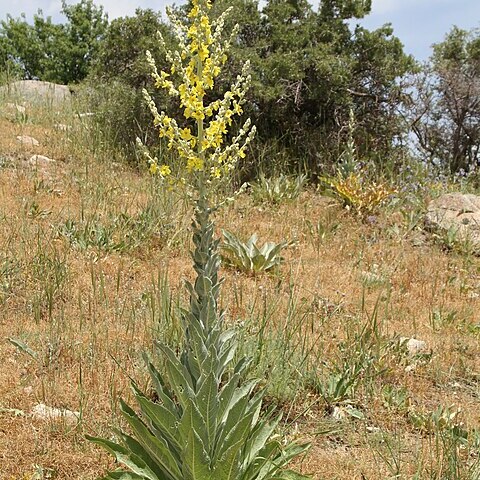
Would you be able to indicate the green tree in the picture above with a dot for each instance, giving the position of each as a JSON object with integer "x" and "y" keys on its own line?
{"x": 84, "y": 32}
{"x": 21, "y": 45}
{"x": 445, "y": 106}
{"x": 118, "y": 74}
{"x": 59, "y": 53}
{"x": 121, "y": 55}
{"x": 314, "y": 69}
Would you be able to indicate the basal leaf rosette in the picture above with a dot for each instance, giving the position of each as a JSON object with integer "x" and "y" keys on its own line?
{"x": 200, "y": 139}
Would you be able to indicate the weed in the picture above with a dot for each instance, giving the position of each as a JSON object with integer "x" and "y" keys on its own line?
{"x": 276, "y": 190}
{"x": 249, "y": 257}
{"x": 396, "y": 398}
{"x": 322, "y": 230}
{"x": 50, "y": 272}
{"x": 10, "y": 269}
{"x": 357, "y": 194}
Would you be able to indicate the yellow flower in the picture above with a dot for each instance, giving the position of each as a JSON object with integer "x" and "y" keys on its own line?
{"x": 198, "y": 115}
{"x": 193, "y": 12}
{"x": 186, "y": 134}
{"x": 192, "y": 31}
{"x": 216, "y": 172}
{"x": 165, "y": 171}
{"x": 195, "y": 164}
{"x": 203, "y": 52}
{"x": 153, "y": 168}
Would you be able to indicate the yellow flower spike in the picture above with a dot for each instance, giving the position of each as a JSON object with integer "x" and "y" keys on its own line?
{"x": 198, "y": 62}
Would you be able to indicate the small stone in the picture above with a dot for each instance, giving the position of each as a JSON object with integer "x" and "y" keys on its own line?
{"x": 43, "y": 412}
{"x": 26, "y": 140}
{"x": 86, "y": 114}
{"x": 62, "y": 127}
{"x": 40, "y": 161}
{"x": 414, "y": 346}
{"x": 339, "y": 413}
{"x": 28, "y": 390}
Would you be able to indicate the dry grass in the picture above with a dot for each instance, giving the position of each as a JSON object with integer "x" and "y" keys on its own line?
{"x": 88, "y": 313}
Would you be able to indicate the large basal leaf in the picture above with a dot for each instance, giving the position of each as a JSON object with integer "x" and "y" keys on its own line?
{"x": 161, "y": 418}
{"x": 273, "y": 467}
{"x": 236, "y": 434}
{"x": 123, "y": 456}
{"x": 290, "y": 475}
{"x": 161, "y": 390}
{"x": 261, "y": 465}
{"x": 239, "y": 394}
{"x": 192, "y": 421}
{"x": 178, "y": 376}
{"x": 258, "y": 439}
{"x": 157, "y": 448}
{"x": 122, "y": 475}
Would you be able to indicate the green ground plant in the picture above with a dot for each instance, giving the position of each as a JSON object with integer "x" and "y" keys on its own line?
{"x": 276, "y": 190}
{"x": 352, "y": 188}
{"x": 248, "y": 256}
{"x": 208, "y": 422}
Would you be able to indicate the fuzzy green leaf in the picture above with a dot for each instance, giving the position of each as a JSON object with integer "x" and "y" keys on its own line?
{"x": 196, "y": 461}
{"x": 161, "y": 418}
{"x": 129, "y": 459}
{"x": 207, "y": 400}
{"x": 157, "y": 448}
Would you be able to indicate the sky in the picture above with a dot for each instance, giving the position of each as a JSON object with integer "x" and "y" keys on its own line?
{"x": 418, "y": 23}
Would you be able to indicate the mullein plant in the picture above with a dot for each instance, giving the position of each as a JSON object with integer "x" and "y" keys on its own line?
{"x": 207, "y": 422}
